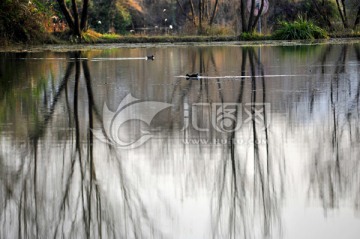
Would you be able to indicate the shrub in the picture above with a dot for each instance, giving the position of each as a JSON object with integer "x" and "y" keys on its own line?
{"x": 216, "y": 30}
{"x": 21, "y": 21}
{"x": 91, "y": 36}
{"x": 299, "y": 30}
{"x": 290, "y": 10}
{"x": 109, "y": 16}
{"x": 252, "y": 36}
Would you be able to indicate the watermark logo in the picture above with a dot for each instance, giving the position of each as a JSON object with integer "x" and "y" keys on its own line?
{"x": 130, "y": 108}
{"x": 259, "y": 113}
{"x": 225, "y": 117}
{"x": 202, "y": 117}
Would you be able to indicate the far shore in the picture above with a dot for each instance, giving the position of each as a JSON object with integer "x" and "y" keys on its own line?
{"x": 151, "y": 41}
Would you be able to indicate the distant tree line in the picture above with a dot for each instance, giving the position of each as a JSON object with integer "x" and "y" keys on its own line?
{"x": 24, "y": 20}
{"x": 121, "y": 15}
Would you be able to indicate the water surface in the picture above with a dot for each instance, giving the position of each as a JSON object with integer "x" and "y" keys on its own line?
{"x": 265, "y": 144}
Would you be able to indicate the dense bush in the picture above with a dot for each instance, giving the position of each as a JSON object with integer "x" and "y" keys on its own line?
{"x": 110, "y": 16}
{"x": 21, "y": 21}
{"x": 299, "y": 30}
{"x": 289, "y": 11}
{"x": 254, "y": 36}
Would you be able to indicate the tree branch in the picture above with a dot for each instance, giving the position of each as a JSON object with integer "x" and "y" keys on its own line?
{"x": 344, "y": 12}
{"x": 84, "y": 15}
{"x": 242, "y": 13}
{"x": 324, "y": 17}
{"x": 251, "y": 15}
{"x": 183, "y": 11}
{"x": 258, "y": 16}
{"x": 68, "y": 17}
{"x": 76, "y": 28}
{"x": 357, "y": 21}
{"x": 213, "y": 13}
{"x": 341, "y": 14}
{"x": 192, "y": 11}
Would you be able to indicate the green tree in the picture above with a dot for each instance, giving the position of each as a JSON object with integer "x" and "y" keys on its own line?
{"x": 105, "y": 16}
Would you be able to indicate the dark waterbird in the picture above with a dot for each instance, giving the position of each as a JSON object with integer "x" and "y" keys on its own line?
{"x": 195, "y": 75}
{"x": 150, "y": 57}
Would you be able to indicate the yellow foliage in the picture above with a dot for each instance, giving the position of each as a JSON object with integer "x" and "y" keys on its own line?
{"x": 91, "y": 35}
{"x": 134, "y": 4}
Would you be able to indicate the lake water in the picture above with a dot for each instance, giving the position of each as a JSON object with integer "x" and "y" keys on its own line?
{"x": 103, "y": 143}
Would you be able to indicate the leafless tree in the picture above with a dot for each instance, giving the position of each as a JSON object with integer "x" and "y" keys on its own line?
{"x": 76, "y": 25}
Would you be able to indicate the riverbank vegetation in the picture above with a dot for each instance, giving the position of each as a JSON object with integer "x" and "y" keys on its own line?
{"x": 75, "y": 21}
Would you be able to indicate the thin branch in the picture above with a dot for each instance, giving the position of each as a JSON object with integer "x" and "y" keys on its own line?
{"x": 324, "y": 16}
{"x": 214, "y": 13}
{"x": 357, "y": 21}
{"x": 183, "y": 11}
{"x": 68, "y": 17}
{"x": 192, "y": 10}
{"x": 259, "y": 14}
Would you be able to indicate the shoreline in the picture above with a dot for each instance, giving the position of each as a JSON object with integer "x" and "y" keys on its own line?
{"x": 166, "y": 41}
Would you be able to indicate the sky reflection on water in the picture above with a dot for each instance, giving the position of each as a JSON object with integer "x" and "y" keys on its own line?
{"x": 289, "y": 170}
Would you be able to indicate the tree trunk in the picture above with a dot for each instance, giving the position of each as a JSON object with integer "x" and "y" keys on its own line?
{"x": 72, "y": 17}
{"x": 251, "y": 16}
{"x": 200, "y": 16}
{"x": 357, "y": 20}
{"x": 213, "y": 13}
{"x": 243, "y": 19}
{"x": 258, "y": 16}
{"x": 84, "y": 15}
{"x": 67, "y": 14}
{"x": 346, "y": 25}
{"x": 76, "y": 29}
{"x": 342, "y": 14}
{"x": 192, "y": 11}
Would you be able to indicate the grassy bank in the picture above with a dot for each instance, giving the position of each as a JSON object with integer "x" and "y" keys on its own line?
{"x": 161, "y": 39}
{"x": 295, "y": 31}
{"x": 141, "y": 39}
{"x": 179, "y": 39}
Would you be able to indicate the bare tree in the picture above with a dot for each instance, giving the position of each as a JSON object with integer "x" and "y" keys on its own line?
{"x": 324, "y": 16}
{"x": 248, "y": 25}
{"x": 76, "y": 25}
{"x": 342, "y": 11}
{"x": 357, "y": 20}
{"x": 206, "y": 12}
{"x": 343, "y": 8}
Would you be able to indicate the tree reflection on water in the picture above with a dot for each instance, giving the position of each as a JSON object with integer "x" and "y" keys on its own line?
{"x": 58, "y": 180}
{"x": 54, "y": 191}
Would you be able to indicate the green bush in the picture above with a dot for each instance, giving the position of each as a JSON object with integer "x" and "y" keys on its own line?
{"x": 299, "y": 30}
{"x": 122, "y": 19}
{"x": 216, "y": 30}
{"x": 252, "y": 36}
{"x": 109, "y": 16}
{"x": 290, "y": 10}
{"x": 21, "y": 21}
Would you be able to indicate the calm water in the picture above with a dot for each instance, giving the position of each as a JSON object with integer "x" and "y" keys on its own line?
{"x": 106, "y": 144}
